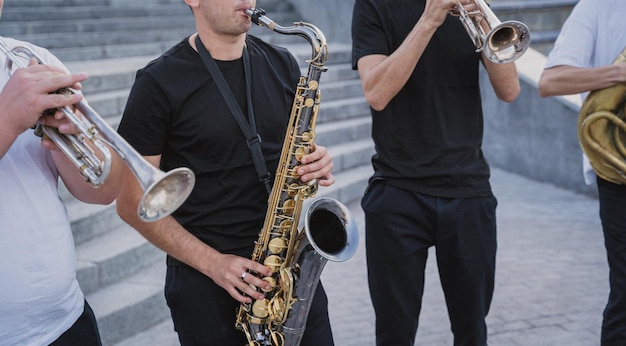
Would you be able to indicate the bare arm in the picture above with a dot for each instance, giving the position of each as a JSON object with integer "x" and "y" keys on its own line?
{"x": 168, "y": 235}
{"x": 569, "y": 80}
{"x": 504, "y": 79}
{"x": 384, "y": 76}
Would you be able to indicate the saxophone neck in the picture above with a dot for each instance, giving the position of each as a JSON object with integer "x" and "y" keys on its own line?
{"x": 310, "y": 32}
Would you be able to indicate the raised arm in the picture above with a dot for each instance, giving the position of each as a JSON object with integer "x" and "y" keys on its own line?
{"x": 384, "y": 76}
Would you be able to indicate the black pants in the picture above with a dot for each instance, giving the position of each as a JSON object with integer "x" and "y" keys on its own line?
{"x": 613, "y": 215}
{"x": 84, "y": 332}
{"x": 400, "y": 228}
{"x": 204, "y": 313}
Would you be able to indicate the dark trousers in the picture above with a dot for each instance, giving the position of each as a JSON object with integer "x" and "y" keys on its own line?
{"x": 204, "y": 314}
{"x": 400, "y": 228}
{"x": 84, "y": 332}
{"x": 613, "y": 216}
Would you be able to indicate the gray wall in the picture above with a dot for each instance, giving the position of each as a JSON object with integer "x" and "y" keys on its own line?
{"x": 333, "y": 17}
{"x": 533, "y": 136}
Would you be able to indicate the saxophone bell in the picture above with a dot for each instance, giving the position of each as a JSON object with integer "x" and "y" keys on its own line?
{"x": 330, "y": 234}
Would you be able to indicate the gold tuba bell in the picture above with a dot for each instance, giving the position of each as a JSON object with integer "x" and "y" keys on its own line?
{"x": 163, "y": 192}
{"x": 502, "y": 42}
{"x": 602, "y": 130}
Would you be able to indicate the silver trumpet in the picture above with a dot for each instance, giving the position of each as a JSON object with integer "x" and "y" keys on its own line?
{"x": 504, "y": 42}
{"x": 163, "y": 192}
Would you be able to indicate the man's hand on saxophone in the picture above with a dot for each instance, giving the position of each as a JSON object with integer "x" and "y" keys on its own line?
{"x": 317, "y": 165}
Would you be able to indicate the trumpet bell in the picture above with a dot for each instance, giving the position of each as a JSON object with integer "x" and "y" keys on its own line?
{"x": 500, "y": 42}
{"x": 166, "y": 194}
{"x": 507, "y": 42}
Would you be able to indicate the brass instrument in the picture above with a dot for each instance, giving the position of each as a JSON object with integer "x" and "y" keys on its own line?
{"x": 602, "y": 130}
{"x": 330, "y": 233}
{"x": 163, "y": 192}
{"x": 503, "y": 42}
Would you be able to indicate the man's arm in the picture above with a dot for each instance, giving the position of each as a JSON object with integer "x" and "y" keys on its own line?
{"x": 569, "y": 80}
{"x": 504, "y": 79}
{"x": 168, "y": 235}
{"x": 382, "y": 76}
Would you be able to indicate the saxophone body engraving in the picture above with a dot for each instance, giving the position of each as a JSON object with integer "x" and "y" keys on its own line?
{"x": 296, "y": 257}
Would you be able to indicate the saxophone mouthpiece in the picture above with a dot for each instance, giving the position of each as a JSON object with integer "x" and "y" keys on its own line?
{"x": 255, "y": 14}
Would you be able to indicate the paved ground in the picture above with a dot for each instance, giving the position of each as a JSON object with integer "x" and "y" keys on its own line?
{"x": 551, "y": 283}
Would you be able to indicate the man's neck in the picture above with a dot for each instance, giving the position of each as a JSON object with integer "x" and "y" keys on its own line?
{"x": 220, "y": 48}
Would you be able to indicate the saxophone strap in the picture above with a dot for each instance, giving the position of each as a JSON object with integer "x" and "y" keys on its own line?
{"x": 253, "y": 139}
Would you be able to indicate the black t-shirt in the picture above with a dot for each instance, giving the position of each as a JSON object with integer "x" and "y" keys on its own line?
{"x": 428, "y": 139}
{"x": 175, "y": 110}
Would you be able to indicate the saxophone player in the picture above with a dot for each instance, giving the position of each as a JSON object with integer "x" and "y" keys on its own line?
{"x": 177, "y": 115}
{"x": 590, "y": 39}
{"x": 419, "y": 71}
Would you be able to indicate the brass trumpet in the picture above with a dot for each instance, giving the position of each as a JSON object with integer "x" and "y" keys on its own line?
{"x": 504, "y": 42}
{"x": 163, "y": 192}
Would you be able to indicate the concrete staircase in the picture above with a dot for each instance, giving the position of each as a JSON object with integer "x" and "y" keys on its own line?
{"x": 121, "y": 273}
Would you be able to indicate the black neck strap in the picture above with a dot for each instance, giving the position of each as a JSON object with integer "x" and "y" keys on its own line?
{"x": 248, "y": 128}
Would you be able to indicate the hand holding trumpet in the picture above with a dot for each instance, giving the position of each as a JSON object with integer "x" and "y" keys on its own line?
{"x": 436, "y": 11}
{"x": 30, "y": 92}
{"x": 87, "y": 130}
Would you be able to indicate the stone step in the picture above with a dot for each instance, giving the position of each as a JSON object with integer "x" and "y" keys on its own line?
{"x": 73, "y": 3}
{"x": 84, "y": 14}
{"x": 332, "y": 133}
{"x": 100, "y": 29}
{"x": 110, "y": 257}
{"x": 343, "y": 109}
{"x": 90, "y": 221}
{"x": 132, "y": 305}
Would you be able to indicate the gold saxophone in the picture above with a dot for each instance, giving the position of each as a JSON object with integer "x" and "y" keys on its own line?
{"x": 296, "y": 257}
{"x": 602, "y": 130}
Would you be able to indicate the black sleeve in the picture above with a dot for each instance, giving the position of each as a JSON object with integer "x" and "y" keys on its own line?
{"x": 368, "y": 32}
{"x": 145, "y": 119}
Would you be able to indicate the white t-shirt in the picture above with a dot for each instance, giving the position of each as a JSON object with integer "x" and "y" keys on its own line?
{"x": 39, "y": 295}
{"x": 593, "y": 35}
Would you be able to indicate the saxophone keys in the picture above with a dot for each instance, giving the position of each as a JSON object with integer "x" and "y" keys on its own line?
{"x": 260, "y": 308}
{"x": 289, "y": 207}
{"x": 272, "y": 283}
{"x": 285, "y": 226}
{"x": 273, "y": 262}
{"x": 277, "y": 245}
{"x": 301, "y": 151}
